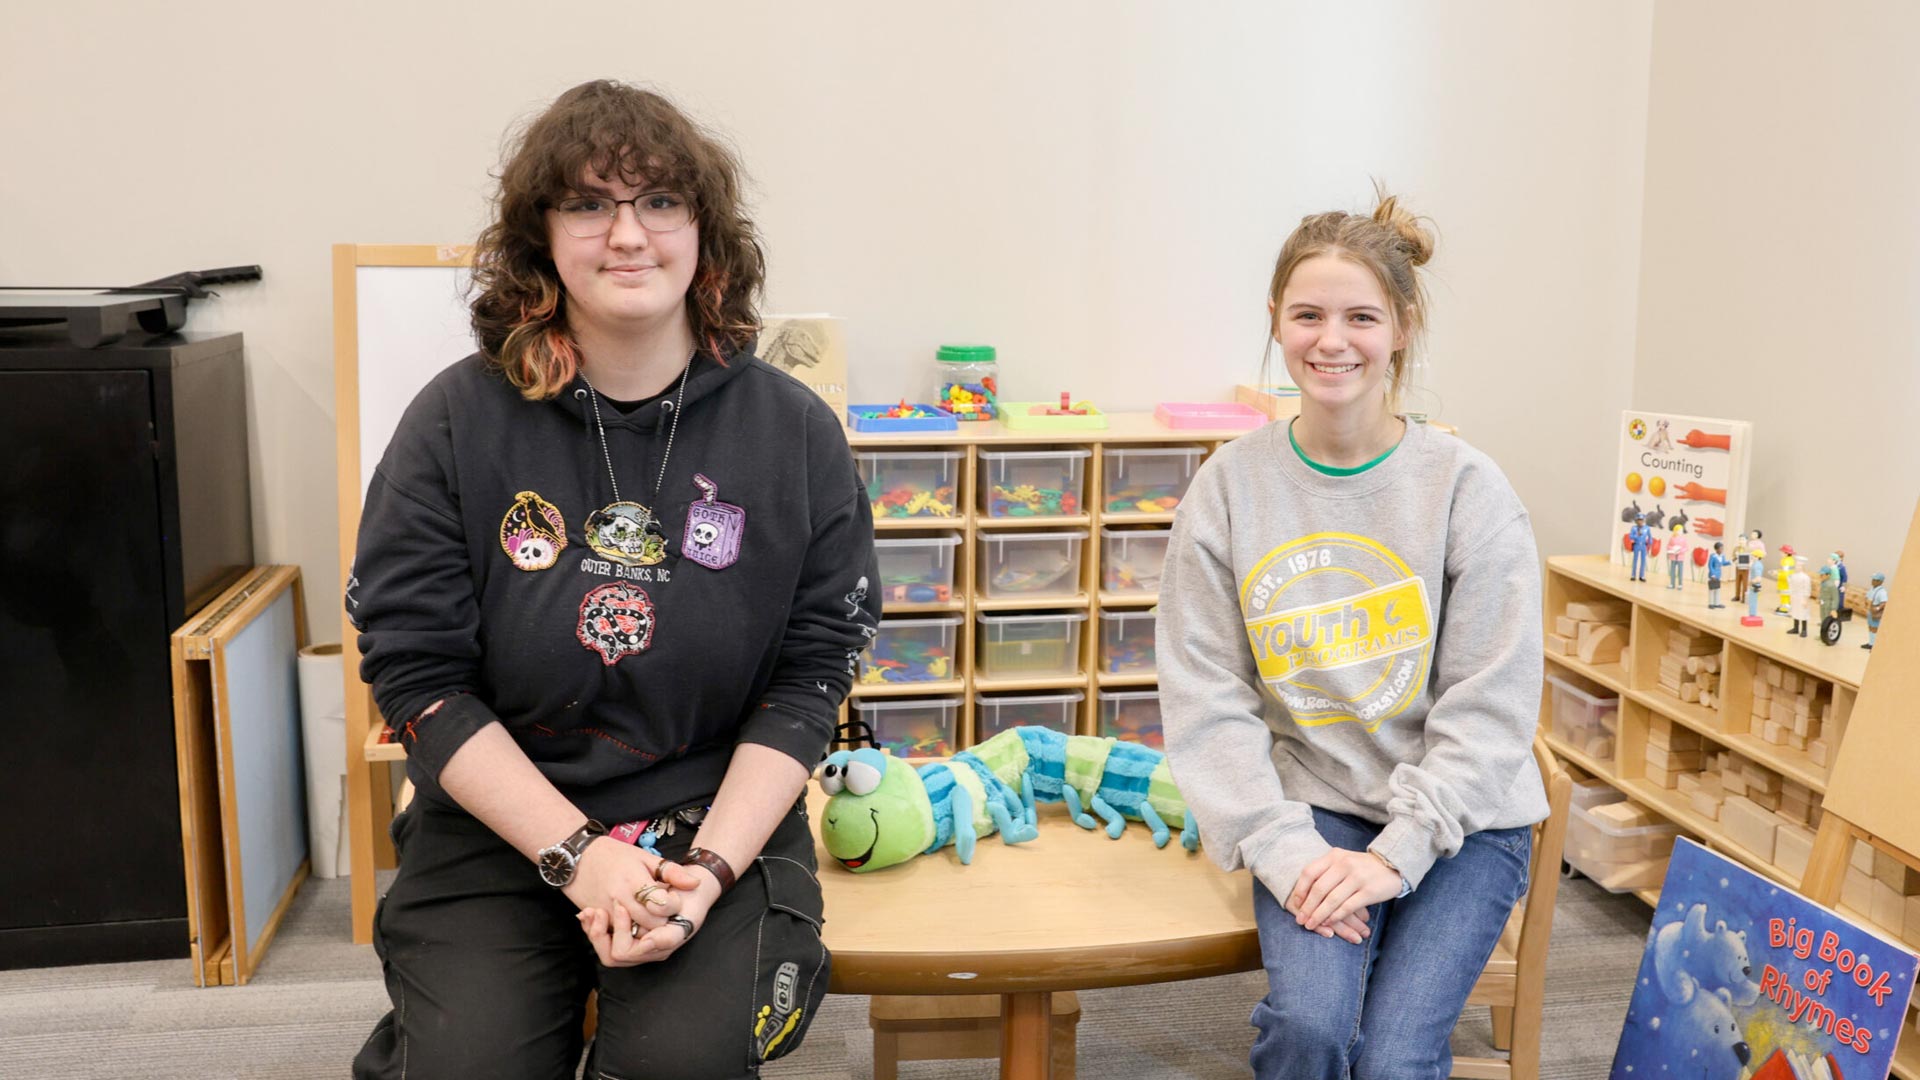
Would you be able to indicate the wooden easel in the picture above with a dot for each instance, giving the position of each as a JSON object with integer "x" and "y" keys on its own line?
{"x": 1871, "y": 791}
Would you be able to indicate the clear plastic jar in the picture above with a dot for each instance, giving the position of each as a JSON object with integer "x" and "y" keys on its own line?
{"x": 967, "y": 381}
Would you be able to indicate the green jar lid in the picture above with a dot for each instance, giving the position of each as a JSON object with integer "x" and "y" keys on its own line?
{"x": 966, "y": 354}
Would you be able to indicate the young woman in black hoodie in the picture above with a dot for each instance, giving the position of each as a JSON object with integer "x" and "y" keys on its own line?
{"x": 611, "y": 577}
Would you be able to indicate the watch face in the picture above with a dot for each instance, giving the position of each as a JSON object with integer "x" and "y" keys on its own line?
{"x": 556, "y": 867}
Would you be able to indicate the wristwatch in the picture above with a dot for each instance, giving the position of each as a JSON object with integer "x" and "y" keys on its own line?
{"x": 557, "y": 863}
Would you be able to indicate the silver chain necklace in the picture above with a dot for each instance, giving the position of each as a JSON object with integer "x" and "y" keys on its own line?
{"x": 627, "y": 532}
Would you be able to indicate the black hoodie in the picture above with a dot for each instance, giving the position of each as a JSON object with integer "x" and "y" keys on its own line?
{"x": 627, "y": 672}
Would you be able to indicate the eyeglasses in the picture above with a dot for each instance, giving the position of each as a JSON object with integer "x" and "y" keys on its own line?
{"x": 587, "y": 216}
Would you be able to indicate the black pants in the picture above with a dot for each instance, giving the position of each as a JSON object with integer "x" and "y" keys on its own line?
{"x": 489, "y": 972}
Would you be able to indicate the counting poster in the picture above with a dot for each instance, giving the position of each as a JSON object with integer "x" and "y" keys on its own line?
{"x": 1689, "y": 471}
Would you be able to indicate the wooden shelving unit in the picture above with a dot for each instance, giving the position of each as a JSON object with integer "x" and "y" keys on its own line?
{"x": 971, "y": 522}
{"x": 1655, "y": 610}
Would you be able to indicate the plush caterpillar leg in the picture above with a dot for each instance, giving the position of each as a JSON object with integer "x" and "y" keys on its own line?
{"x": 1190, "y": 833}
{"x": 1075, "y": 809}
{"x": 1013, "y": 830}
{"x": 1026, "y": 800}
{"x": 1152, "y": 817}
{"x": 963, "y": 834}
{"x": 1116, "y": 821}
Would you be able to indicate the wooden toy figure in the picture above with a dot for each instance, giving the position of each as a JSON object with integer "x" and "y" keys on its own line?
{"x": 1742, "y": 562}
{"x": 1829, "y": 605}
{"x": 1840, "y": 564}
{"x": 1716, "y": 566}
{"x": 1757, "y": 575}
{"x": 1641, "y": 538}
{"x": 1799, "y": 596}
{"x": 1876, "y": 607}
{"x": 1784, "y": 579}
{"x": 1677, "y": 552}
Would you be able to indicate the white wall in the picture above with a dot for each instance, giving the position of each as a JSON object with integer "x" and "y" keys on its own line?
{"x": 1097, "y": 188}
{"x": 1782, "y": 257}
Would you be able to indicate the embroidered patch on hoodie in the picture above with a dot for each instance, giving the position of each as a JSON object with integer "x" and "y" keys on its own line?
{"x": 532, "y": 533}
{"x": 616, "y": 621}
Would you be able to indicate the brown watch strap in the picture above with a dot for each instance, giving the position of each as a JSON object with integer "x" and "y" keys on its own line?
{"x": 715, "y": 865}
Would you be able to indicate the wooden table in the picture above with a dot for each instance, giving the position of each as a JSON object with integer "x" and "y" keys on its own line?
{"x": 1071, "y": 910}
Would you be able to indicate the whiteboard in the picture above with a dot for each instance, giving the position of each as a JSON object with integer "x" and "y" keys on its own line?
{"x": 413, "y": 322}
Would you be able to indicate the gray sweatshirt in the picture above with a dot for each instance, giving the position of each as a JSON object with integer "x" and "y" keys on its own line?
{"x": 1367, "y": 644}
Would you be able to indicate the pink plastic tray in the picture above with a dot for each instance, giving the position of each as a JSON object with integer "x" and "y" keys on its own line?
{"x": 1208, "y": 414}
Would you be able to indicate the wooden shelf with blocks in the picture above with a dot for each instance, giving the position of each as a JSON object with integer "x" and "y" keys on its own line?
{"x": 1724, "y": 730}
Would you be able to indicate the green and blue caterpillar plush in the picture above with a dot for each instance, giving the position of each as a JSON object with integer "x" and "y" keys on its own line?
{"x": 882, "y": 811}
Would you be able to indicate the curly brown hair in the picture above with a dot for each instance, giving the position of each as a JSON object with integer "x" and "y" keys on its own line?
{"x": 615, "y": 130}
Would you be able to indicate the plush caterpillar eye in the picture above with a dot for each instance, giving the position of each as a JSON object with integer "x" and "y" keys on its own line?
{"x": 862, "y": 778}
{"x": 831, "y": 775}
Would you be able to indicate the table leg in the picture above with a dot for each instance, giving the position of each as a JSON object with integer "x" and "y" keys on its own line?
{"x": 1025, "y": 1029}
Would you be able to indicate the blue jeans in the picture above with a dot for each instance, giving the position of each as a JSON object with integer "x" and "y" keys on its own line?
{"x": 1383, "y": 1009}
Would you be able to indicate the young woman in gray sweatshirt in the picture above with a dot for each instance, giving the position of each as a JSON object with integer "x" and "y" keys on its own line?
{"x": 1350, "y": 663}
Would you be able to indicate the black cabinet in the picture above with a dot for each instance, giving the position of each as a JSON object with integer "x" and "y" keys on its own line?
{"x": 124, "y": 507}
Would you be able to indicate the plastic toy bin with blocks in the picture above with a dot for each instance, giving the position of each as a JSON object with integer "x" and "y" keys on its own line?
{"x": 1133, "y": 715}
{"x": 995, "y": 713}
{"x": 1031, "y": 565}
{"x": 916, "y": 569}
{"x": 1033, "y": 483}
{"x": 1131, "y": 560}
{"x": 911, "y": 727}
{"x": 1147, "y": 479}
{"x": 911, "y": 483}
{"x": 911, "y": 650}
{"x": 1126, "y": 642}
{"x": 1030, "y": 646}
{"x": 1620, "y": 845}
{"x": 1584, "y": 715}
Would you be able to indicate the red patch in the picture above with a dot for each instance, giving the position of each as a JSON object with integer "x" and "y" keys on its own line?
{"x": 616, "y": 620}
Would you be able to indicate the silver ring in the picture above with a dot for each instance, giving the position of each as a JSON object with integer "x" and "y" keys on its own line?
{"x": 685, "y": 924}
{"x": 634, "y": 930}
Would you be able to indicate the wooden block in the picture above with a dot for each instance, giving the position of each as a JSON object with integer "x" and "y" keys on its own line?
{"x": 1768, "y": 799}
{"x": 1708, "y": 701}
{"x": 1707, "y": 680}
{"x": 1669, "y": 686}
{"x": 1687, "y": 783}
{"x": 1690, "y": 692}
{"x": 1567, "y": 626}
{"x": 1895, "y": 874}
{"x": 1817, "y": 751}
{"x": 1625, "y": 815}
{"x": 1688, "y": 642}
{"x": 1860, "y": 857}
{"x": 1667, "y": 735}
{"x": 1673, "y": 760}
{"x": 1774, "y": 732}
{"x": 1775, "y": 674}
{"x": 1761, "y": 778}
{"x": 1600, "y": 747}
{"x": 1910, "y": 922}
{"x": 1796, "y": 813}
{"x": 1603, "y": 645}
{"x": 1888, "y": 908}
{"x": 1856, "y": 891}
{"x": 1806, "y": 726}
{"x": 1749, "y": 825}
{"x": 1602, "y": 611}
{"x": 1792, "y": 845}
{"x": 1561, "y": 645}
{"x": 1706, "y": 804}
{"x": 1672, "y": 668}
{"x": 1794, "y": 789}
{"x": 1711, "y": 782}
{"x": 1659, "y": 777}
{"x": 1790, "y": 680}
{"x": 1733, "y": 782}
{"x": 1762, "y": 690}
{"x": 1703, "y": 665}
{"x": 1782, "y": 712}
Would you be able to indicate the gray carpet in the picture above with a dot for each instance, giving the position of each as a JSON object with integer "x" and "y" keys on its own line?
{"x": 316, "y": 997}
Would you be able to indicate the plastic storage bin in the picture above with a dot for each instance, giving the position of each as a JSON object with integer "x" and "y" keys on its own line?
{"x": 916, "y": 569}
{"x": 911, "y": 650}
{"x": 1147, "y": 479}
{"x": 1131, "y": 559}
{"x": 1030, "y": 646}
{"x": 1126, "y": 642}
{"x": 1133, "y": 715}
{"x": 912, "y": 727}
{"x": 1033, "y": 483}
{"x": 995, "y": 714}
{"x": 911, "y": 483}
{"x": 1583, "y": 715}
{"x": 1619, "y": 858}
{"x": 1031, "y": 565}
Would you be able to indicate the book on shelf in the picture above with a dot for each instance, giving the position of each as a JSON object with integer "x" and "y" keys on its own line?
{"x": 1744, "y": 979}
{"x": 1687, "y": 470}
{"x": 811, "y": 348}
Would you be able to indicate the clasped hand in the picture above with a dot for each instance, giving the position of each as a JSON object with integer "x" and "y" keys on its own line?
{"x": 629, "y": 898}
{"x": 1335, "y": 891}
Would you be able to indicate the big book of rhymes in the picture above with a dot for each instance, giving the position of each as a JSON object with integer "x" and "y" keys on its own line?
{"x": 1743, "y": 979}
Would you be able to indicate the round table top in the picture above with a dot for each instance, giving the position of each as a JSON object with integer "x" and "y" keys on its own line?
{"x": 1071, "y": 910}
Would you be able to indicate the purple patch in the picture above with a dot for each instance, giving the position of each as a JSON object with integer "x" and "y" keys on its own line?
{"x": 714, "y": 529}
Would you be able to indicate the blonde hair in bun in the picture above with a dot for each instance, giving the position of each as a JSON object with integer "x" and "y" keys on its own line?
{"x": 1392, "y": 243}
